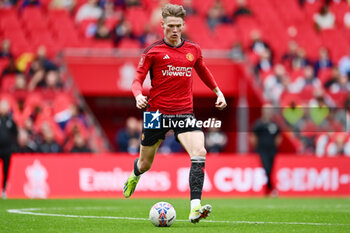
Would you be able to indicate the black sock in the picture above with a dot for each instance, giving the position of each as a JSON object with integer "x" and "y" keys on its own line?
{"x": 197, "y": 177}
{"x": 137, "y": 171}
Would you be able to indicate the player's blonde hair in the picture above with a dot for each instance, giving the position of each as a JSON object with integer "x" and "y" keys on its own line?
{"x": 173, "y": 10}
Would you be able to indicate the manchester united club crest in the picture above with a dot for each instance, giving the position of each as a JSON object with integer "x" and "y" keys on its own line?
{"x": 190, "y": 56}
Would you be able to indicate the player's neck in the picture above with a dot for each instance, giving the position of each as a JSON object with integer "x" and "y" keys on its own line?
{"x": 173, "y": 43}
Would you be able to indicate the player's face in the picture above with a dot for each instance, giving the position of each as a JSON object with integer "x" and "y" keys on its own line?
{"x": 173, "y": 27}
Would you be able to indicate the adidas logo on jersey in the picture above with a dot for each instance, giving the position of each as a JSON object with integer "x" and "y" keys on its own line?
{"x": 166, "y": 57}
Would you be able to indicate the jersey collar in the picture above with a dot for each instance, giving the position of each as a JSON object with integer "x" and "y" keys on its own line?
{"x": 182, "y": 42}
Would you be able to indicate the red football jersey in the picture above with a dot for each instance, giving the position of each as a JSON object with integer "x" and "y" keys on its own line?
{"x": 171, "y": 76}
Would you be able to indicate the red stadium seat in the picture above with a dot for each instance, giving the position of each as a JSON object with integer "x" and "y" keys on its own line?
{"x": 43, "y": 112}
{"x": 59, "y": 18}
{"x": 7, "y": 12}
{"x": 20, "y": 119}
{"x": 68, "y": 38}
{"x": 229, "y": 6}
{"x": 339, "y": 10}
{"x": 15, "y": 34}
{"x": 8, "y": 83}
{"x": 245, "y": 26}
{"x": 338, "y": 98}
{"x": 289, "y": 12}
{"x": 265, "y": 13}
{"x": 42, "y": 38}
{"x": 129, "y": 43}
{"x": 58, "y": 13}
{"x": 177, "y": 2}
{"x": 33, "y": 100}
{"x": 203, "y": 6}
{"x": 62, "y": 101}
{"x": 35, "y": 25}
{"x": 32, "y": 13}
{"x": 3, "y": 63}
{"x": 337, "y": 49}
{"x": 19, "y": 48}
{"x": 278, "y": 43}
{"x": 197, "y": 29}
{"x": 226, "y": 35}
{"x": 287, "y": 98}
{"x": 45, "y": 4}
{"x": 83, "y": 25}
{"x": 294, "y": 74}
{"x": 106, "y": 44}
{"x": 308, "y": 40}
{"x": 34, "y": 40}
{"x": 312, "y": 8}
{"x": 307, "y": 93}
{"x": 137, "y": 17}
{"x": 19, "y": 42}
{"x": 110, "y": 23}
{"x": 64, "y": 28}
{"x": 346, "y": 33}
{"x": 149, "y": 5}
{"x": 10, "y": 23}
{"x": 324, "y": 75}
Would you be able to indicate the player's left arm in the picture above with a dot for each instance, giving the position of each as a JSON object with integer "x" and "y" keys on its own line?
{"x": 208, "y": 79}
{"x": 220, "y": 101}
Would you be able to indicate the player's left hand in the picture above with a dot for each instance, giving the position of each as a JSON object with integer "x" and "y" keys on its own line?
{"x": 220, "y": 102}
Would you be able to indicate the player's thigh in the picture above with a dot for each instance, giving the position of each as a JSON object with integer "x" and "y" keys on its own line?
{"x": 147, "y": 153}
{"x": 193, "y": 142}
{"x": 150, "y": 141}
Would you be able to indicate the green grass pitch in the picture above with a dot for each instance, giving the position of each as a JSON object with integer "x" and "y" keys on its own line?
{"x": 229, "y": 215}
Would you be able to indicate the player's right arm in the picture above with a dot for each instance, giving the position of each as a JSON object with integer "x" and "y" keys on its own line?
{"x": 141, "y": 73}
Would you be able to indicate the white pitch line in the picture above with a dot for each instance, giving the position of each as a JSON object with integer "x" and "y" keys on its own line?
{"x": 20, "y": 211}
{"x": 28, "y": 211}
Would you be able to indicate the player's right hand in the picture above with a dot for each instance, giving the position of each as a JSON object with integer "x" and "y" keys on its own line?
{"x": 141, "y": 101}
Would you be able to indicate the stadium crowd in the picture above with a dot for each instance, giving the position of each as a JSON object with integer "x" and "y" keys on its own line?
{"x": 299, "y": 51}
{"x": 310, "y": 91}
{"x": 49, "y": 117}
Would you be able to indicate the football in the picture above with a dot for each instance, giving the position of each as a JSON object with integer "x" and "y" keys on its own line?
{"x": 162, "y": 214}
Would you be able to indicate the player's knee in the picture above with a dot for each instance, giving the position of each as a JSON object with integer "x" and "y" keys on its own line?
{"x": 200, "y": 152}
